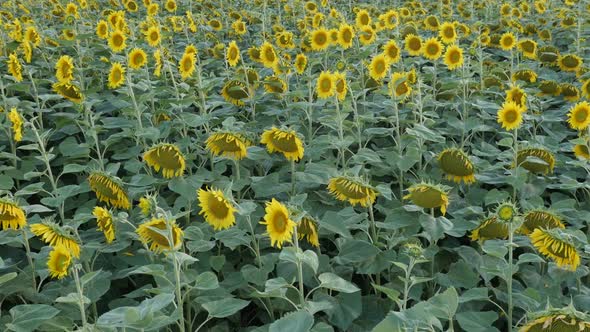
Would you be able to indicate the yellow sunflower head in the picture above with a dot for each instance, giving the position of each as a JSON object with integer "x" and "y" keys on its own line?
{"x": 570, "y": 62}
{"x": 319, "y": 39}
{"x": 104, "y": 220}
{"x": 536, "y": 160}
{"x": 59, "y": 262}
{"x": 108, "y": 189}
{"x": 556, "y": 245}
{"x": 286, "y": 142}
{"x": 432, "y": 49}
{"x": 275, "y": 84}
{"x": 586, "y": 89}
{"x": 69, "y": 91}
{"x": 506, "y": 211}
{"x": 228, "y": 144}
{"x": 12, "y": 216}
{"x": 413, "y": 44}
{"x": 528, "y": 47}
{"x": 326, "y": 85}
{"x": 526, "y": 75}
{"x": 367, "y": 35}
{"x": 378, "y": 67}
{"x": 569, "y": 92}
{"x": 217, "y": 209}
{"x": 510, "y": 115}
{"x": 64, "y": 69}
{"x": 166, "y": 157}
{"x": 579, "y": 116}
{"x": 488, "y": 229}
{"x": 399, "y": 85}
{"x": 116, "y": 75}
{"x": 17, "y": 122}
{"x": 52, "y": 234}
{"x": 507, "y": 41}
{"x": 268, "y": 55}
{"x": 582, "y": 151}
{"x": 307, "y": 229}
{"x": 300, "y": 63}
{"x": 14, "y": 67}
{"x": 428, "y": 196}
{"x": 235, "y": 92}
{"x": 117, "y": 41}
{"x": 279, "y": 226}
{"x": 160, "y": 234}
{"x": 146, "y": 204}
{"x": 392, "y": 51}
{"x": 341, "y": 85}
{"x": 232, "y": 54}
{"x": 186, "y": 65}
{"x": 345, "y": 35}
{"x": 137, "y": 58}
{"x": 153, "y": 36}
{"x": 454, "y": 57}
{"x": 561, "y": 320}
{"x": 362, "y": 18}
{"x": 447, "y": 33}
{"x": 431, "y": 23}
{"x": 539, "y": 218}
{"x": 353, "y": 190}
{"x": 456, "y": 165}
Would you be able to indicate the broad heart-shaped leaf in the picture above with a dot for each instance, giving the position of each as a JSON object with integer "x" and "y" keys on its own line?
{"x": 206, "y": 281}
{"x": 139, "y": 317}
{"x": 298, "y": 321}
{"x": 310, "y": 259}
{"x": 27, "y": 317}
{"x": 474, "y": 321}
{"x": 334, "y": 282}
{"x": 224, "y": 308}
{"x": 72, "y": 298}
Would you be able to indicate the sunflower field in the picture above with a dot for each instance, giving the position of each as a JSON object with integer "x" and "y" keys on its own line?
{"x": 294, "y": 166}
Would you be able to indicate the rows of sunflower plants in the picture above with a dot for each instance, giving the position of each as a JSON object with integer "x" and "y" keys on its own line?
{"x": 288, "y": 165}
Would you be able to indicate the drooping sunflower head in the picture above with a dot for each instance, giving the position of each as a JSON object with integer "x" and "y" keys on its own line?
{"x": 428, "y": 196}
{"x": 432, "y": 49}
{"x": 517, "y": 95}
{"x": 378, "y": 67}
{"x": 582, "y": 151}
{"x": 453, "y": 57}
{"x": 275, "y": 84}
{"x": 319, "y": 39}
{"x": 353, "y": 190}
{"x": 69, "y": 91}
{"x": 558, "y": 246}
{"x": 228, "y": 144}
{"x": 367, "y": 35}
{"x": 507, "y": 41}
{"x": 160, "y": 234}
{"x": 12, "y": 216}
{"x": 488, "y": 229}
{"x": 413, "y": 44}
{"x": 147, "y": 204}
{"x": 54, "y": 235}
{"x": 286, "y": 142}
{"x": 232, "y": 54}
{"x": 456, "y": 165}
{"x": 536, "y": 160}
{"x": 579, "y": 116}
{"x": 569, "y": 92}
{"x": 528, "y": 47}
{"x": 447, "y": 33}
{"x": 109, "y": 189}
{"x": 64, "y": 69}
{"x": 548, "y": 54}
{"x": 559, "y": 320}
{"x": 540, "y": 218}
{"x": 166, "y": 157}
{"x": 235, "y": 92}
{"x": 510, "y": 115}
{"x": 325, "y": 86}
{"x": 431, "y": 23}
{"x": 526, "y": 75}
{"x": 549, "y": 88}
{"x": 399, "y": 85}
{"x": 570, "y": 62}
{"x": 217, "y": 209}
{"x": 586, "y": 89}
{"x": 116, "y": 75}
{"x": 345, "y": 36}
{"x": 307, "y": 229}
{"x": 59, "y": 262}
{"x": 104, "y": 220}
{"x": 279, "y": 225}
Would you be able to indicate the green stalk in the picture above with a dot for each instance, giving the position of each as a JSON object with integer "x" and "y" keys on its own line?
{"x": 299, "y": 268}
{"x": 80, "y": 291}
{"x": 510, "y": 272}
{"x": 29, "y": 258}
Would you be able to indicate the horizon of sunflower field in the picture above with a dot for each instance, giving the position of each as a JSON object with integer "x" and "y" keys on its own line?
{"x": 288, "y": 165}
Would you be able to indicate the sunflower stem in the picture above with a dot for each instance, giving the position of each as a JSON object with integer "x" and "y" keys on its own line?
{"x": 80, "y": 291}
{"x": 510, "y": 272}
{"x": 299, "y": 268}
{"x": 293, "y": 178}
{"x": 374, "y": 237}
{"x": 515, "y": 148}
{"x": 29, "y": 258}
{"x": 179, "y": 300}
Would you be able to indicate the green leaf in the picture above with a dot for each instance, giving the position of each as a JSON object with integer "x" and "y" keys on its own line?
{"x": 477, "y": 321}
{"x": 391, "y": 293}
{"x": 206, "y": 281}
{"x": 7, "y": 277}
{"x": 298, "y": 321}
{"x": 27, "y": 317}
{"x": 6, "y": 182}
{"x": 356, "y": 251}
{"x": 224, "y": 308}
{"x": 310, "y": 259}
{"x": 334, "y": 282}
{"x": 72, "y": 298}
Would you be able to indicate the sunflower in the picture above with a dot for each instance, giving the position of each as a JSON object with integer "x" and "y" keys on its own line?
{"x": 454, "y": 57}
{"x": 117, "y": 41}
{"x": 399, "y": 85}
{"x": 308, "y": 229}
{"x": 300, "y": 63}
{"x": 116, "y": 75}
{"x": 431, "y": 23}
{"x": 581, "y": 151}
{"x": 548, "y": 54}
{"x": 17, "y": 121}
{"x": 59, "y": 262}
{"x": 52, "y": 234}
{"x": 158, "y": 61}
{"x": 104, "y": 219}
{"x": 428, "y": 196}
{"x": 166, "y": 157}
{"x": 102, "y": 29}
{"x": 284, "y": 141}
{"x": 378, "y": 67}
{"x": 506, "y": 211}
{"x": 216, "y": 208}
{"x": 352, "y": 190}
{"x": 432, "y": 49}
{"x": 510, "y": 115}
{"x": 14, "y": 67}
{"x": 153, "y": 9}
{"x": 517, "y": 95}
{"x": 11, "y": 215}
{"x": 234, "y": 91}
{"x": 32, "y": 36}
{"x": 145, "y": 205}
{"x": 232, "y": 54}
{"x": 137, "y": 58}
{"x": 413, "y": 44}
{"x": 170, "y": 6}
{"x": 570, "y": 62}
{"x": 586, "y": 89}
{"x": 456, "y": 165}
{"x": 490, "y": 228}
{"x": 367, "y": 35}
{"x": 558, "y": 321}
{"x": 341, "y": 85}
{"x": 228, "y": 144}
{"x": 579, "y": 116}
{"x": 278, "y": 225}
{"x": 239, "y": 27}
{"x": 69, "y": 91}
{"x": 326, "y": 85}
{"x": 268, "y": 56}
{"x": 447, "y": 33}
{"x": 391, "y": 51}
{"x": 152, "y": 36}
{"x": 158, "y": 232}
{"x": 186, "y": 65}
{"x": 109, "y": 190}
{"x": 362, "y": 18}
{"x": 555, "y": 245}
{"x": 507, "y": 41}
{"x": 528, "y": 47}
{"x": 319, "y": 39}
{"x": 526, "y": 75}
{"x": 539, "y": 219}
{"x": 569, "y": 92}
{"x": 275, "y": 84}
{"x": 536, "y": 160}
{"x": 345, "y": 35}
